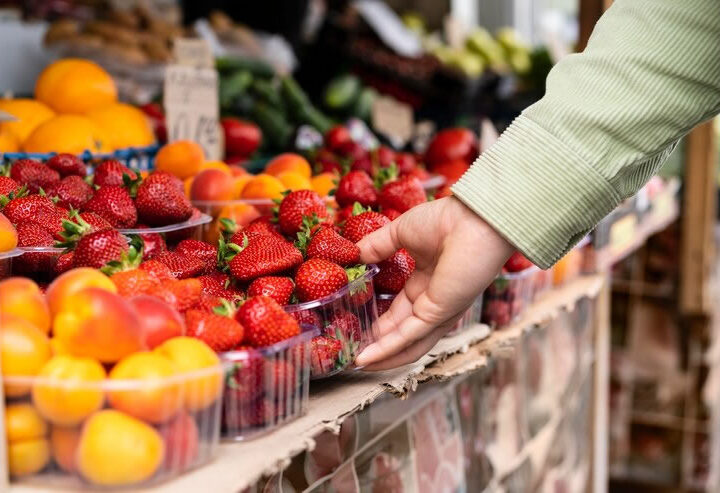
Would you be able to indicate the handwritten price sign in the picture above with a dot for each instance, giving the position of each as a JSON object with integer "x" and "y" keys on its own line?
{"x": 192, "y": 107}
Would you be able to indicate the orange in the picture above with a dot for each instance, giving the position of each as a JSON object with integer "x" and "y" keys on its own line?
{"x": 151, "y": 397}
{"x": 73, "y": 281}
{"x": 289, "y": 162}
{"x": 70, "y": 389}
{"x": 73, "y": 134}
{"x": 21, "y": 297}
{"x": 242, "y": 214}
{"x": 239, "y": 183}
{"x": 118, "y": 450}
{"x": 73, "y": 85}
{"x": 29, "y": 114}
{"x": 124, "y": 125}
{"x": 23, "y": 422}
{"x": 8, "y": 234}
{"x": 182, "y": 158}
{"x": 294, "y": 181}
{"x": 24, "y": 350}
{"x": 8, "y": 141}
{"x": 28, "y": 456}
{"x": 214, "y": 165}
{"x": 63, "y": 444}
{"x": 201, "y": 368}
{"x": 324, "y": 183}
{"x": 263, "y": 186}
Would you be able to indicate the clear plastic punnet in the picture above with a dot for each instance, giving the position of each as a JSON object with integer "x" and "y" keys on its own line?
{"x": 266, "y": 387}
{"x": 345, "y": 319}
{"x": 507, "y": 297}
{"x": 113, "y": 433}
{"x": 174, "y": 233}
{"x": 6, "y": 262}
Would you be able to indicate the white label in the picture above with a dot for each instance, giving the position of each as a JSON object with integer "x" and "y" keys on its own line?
{"x": 192, "y": 52}
{"x": 393, "y": 118}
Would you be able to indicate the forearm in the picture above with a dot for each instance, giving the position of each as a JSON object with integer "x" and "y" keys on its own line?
{"x": 609, "y": 119}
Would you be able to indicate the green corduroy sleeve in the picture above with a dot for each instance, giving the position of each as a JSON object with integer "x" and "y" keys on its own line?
{"x": 610, "y": 117}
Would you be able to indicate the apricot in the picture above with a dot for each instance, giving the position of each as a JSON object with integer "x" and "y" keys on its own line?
{"x": 200, "y": 367}
{"x": 22, "y": 298}
{"x": 239, "y": 183}
{"x": 63, "y": 445}
{"x": 182, "y": 158}
{"x": 75, "y": 280}
{"x": 289, "y": 162}
{"x": 158, "y": 320}
{"x": 28, "y": 457}
{"x": 70, "y": 389}
{"x": 8, "y": 234}
{"x": 294, "y": 181}
{"x": 98, "y": 324}
{"x": 23, "y": 422}
{"x": 152, "y": 396}
{"x": 118, "y": 450}
{"x": 242, "y": 214}
{"x": 24, "y": 350}
{"x": 237, "y": 170}
{"x": 263, "y": 186}
{"x": 219, "y": 165}
{"x": 212, "y": 184}
{"x": 324, "y": 183}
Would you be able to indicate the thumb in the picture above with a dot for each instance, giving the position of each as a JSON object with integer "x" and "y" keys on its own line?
{"x": 380, "y": 244}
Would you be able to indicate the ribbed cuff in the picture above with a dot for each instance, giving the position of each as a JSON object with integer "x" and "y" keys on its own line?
{"x": 536, "y": 192}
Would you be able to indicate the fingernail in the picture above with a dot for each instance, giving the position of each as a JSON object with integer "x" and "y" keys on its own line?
{"x": 366, "y": 356}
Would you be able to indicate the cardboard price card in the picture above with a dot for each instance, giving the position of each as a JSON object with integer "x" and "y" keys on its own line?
{"x": 192, "y": 107}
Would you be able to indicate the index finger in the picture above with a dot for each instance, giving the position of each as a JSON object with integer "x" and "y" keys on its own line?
{"x": 380, "y": 244}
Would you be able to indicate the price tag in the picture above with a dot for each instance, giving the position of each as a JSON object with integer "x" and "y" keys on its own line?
{"x": 393, "y": 119}
{"x": 622, "y": 234}
{"x": 192, "y": 108}
{"x": 192, "y": 52}
{"x": 454, "y": 32}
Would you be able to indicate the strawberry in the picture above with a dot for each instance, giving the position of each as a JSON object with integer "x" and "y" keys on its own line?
{"x": 308, "y": 317}
{"x": 71, "y": 192}
{"x": 345, "y": 326}
{"x": 110, "y": 174}
{"x": 361, "y": 291}
{"x": 262, "y": 225}
{"x": 244, "y": 382}
{"x": 153, "y": 243}
{"x": 33, "y": 174}
{"x": 342, "y": 215}
{"x": 362, "y": 224}
{"x": 280, "y": 378}
{"x": 220, "y": 332}
{"x": 385, "y": 156}
{"x": 337, "y": 137}
{"x": 181, "y": 266}
{"x": 32, "y": 234}
{"x": 96, "y": 222}
{"x": 54, "y": 222}
{"x": 157, "y": 269}
{"x": 134, "y": 282}
{"x": 207, "y": 303}
{"x": 443, "y": 191}
{"x": 265, "y": 322}
{"x": 451, "y": 170}
{"x": 324, "y": 355}
{"x": 262, "y": 256}
{"x": 517, "y": 262}
{"x": 356, "y": 186}
{"x": 29, "y": 208}
{"x": 78, "y": 224}
{"x": 297, "y": 205}
{"x": 205, "y": 252}
{"x": 391, "y": 214}
{"x": 8, "y": 185}
{"x": 278, "y": 288}
{"x": 394, "y": 272}
{"x": 218, "y": 284}
{"x": 67, "y": 165}
{"x": 259, "y": 413}
{"x": 115, "y": 205}
{"x": 317, "y": 278}
{"x": 64, "y": 263}
{"x": 184, "y": 294}
{"x": 325, "y": 243}
{"x": 419, "y": 173}
{"x": 98, "y": 248}
{"x": 402, "y": 194}
{"x": 405, "y": 162}
{"x": 159, "y": 202}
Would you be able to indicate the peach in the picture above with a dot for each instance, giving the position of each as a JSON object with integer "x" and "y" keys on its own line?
{"x": 237, "y": 170}
{"x": 98, "y": 324}
{"x": 21, "y": 297}
{"x": 24, "y": 350}
{"x": 158, "y": 320}
{"x": 215, "y": 165}
{"x": 73, "y": 281}
{"x": 294, "y": 181}
{"x": 63, "y": 444}
{"x": 182, "y": 441}
{"x": 8, "y": 235}
{"x": 212, "y": 184}
{"x": 182, "y": 158}
{"x": 263, "y": 186}
{"x": 289, "y": 162}
{"x": 239, "y": 183}
{"x": 242, "y": 214}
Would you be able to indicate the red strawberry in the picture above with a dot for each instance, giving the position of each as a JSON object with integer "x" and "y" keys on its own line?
{"x": 328, "y": 244}
{"x": 95, "y": 221}
{"x": 443, "y": 191}
{"x": 8, "y": 185}
{"x": 98, "y": 248}
{"x": 263, "y": 256}
{"x": 517, "y": 262}
{"x": 115, "y": 205}
{"x": 317, "y": 278}
{"x": 402, "y": 194}
{"x": 385, "y": 156}
{"x": 181, "y": 266}
{"x": 244, "y": 383}
{"x": 356, "y": 186}
{"x": 219, "y": 332}
{"x": 451, "y": 170}
{"x": 75, "y": 225}
{"x": 134, "y": 282}
{"x": 419, "y": 173}
{"x": 405, "y": 162}
{"x": 324, "y": 355}
{"x": 307, "y": 317}
{"x": 54, "y": 222}
{"x": 327, "y": 162}
{"x": 33, "y": 174}
{"x": 262, "y": 225}
{"x": 32, "y": 234}
{"x": 67, "y": 165}
{"x": 297, "y": 205}
{"x": 345, "y": 326}
{"x": 343, "y": 215}
{"x": 265, "y": 322}
{"x": 184, "y": 294}
{"x": 394, "y": 272}
{"x": 337, "y": 137}
{"x": 110, "y": 174}
{"x": 278, "y": 288}
{"x": 218, "y": 284}
{"x": 280, "y": 378}
{"x": 157, "y": 269}
{"x": 72, "y": 192}
{"x": 64, "y": 263}
{"x": 361, "y": 225}
{"x": 207, "y": 303}
{"x": 159, "y": 201}
{"x": 205, "y": 252}
{"x": 153, "y": 243}
{"x": 29, "y": 208}
{"x": 391, "y": 214}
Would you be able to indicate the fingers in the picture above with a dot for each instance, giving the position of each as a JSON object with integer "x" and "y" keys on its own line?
{"x": 400, "y": 309}
{"x": 411, "y": 353}
{"x": 380, "y": 244}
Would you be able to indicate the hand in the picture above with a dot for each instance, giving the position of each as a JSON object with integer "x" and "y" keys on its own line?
{"x": 457, "y": 255}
